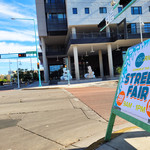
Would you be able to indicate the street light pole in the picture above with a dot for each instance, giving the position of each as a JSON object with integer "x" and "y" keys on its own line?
{"x": 18, "y": 75}
{"x": 35, "y": 45}
{"x": 141, "y": 23}
{"x": 10, "y": 72}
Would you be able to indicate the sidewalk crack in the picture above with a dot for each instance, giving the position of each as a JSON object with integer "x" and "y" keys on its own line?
{"x": 40, "y": 135}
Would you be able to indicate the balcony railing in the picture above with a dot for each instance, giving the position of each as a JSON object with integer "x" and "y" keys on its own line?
{"x": 55, "y": 51}
{"x": 100, "y": 36}
{"x": 57, "y": 25}
{"x": 84, "y": 35}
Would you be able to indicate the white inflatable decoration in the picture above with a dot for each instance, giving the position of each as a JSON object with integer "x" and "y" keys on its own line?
{"x": 66, "y": 73}
{"x": 90, "y": 73}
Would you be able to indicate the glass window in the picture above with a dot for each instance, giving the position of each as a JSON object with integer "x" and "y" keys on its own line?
{"x": 50, "y": 16}
{"x": 62, "y": 1}
{"x": 51, "y": 1}
{"x": 136, "y": 10}
{"x": 133, "y": 28}
{"x": 149, "y": 8}
{"x": 119, "y": 9}
{"x": 102, "y": 10}
{"x": 146, "y": 27}
{"x": 56, "y": 16}
{"x": 60, "y": 16}
{"x": 87, "y": 10}
{"x": 124, "y": 55}
{"x": 74, "y": 11}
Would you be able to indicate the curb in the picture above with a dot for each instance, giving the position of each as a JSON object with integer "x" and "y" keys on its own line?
{"x": 43, "y": 88}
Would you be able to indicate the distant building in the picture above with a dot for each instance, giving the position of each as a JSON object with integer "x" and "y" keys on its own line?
{"x": 69, "y": 29}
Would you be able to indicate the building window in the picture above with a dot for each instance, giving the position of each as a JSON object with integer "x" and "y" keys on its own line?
{"x": 74, "y": 11}
{"x": 136, "y": 10}
{"x": 51, "y": 1}
{"x": 146, "y": 27}
{"x": 119, "y": 9}
{"x": 149, "y": 8}
{"x": 133, "y": 28}
{"x": 124, "y": 55}
{"x": 87, "y": 10}
{"x": 102, "y": 10}
{"x": 57, "y": 16}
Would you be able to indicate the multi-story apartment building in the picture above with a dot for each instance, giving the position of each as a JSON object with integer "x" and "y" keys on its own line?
{"x": 69, "y": 29}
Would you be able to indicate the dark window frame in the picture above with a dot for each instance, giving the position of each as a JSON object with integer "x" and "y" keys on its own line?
{"x": 146, "y": 27}
{"x": 87, "y": 10}
{"x": 119, "y": 9}
{"x": 74, "y": 11}
{"x": 136, "y": 12}
{"x": 102, "y": 10}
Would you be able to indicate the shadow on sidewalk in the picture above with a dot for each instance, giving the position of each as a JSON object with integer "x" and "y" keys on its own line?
{"x": 6, "y": 123}
{"x": 121, "y": 141}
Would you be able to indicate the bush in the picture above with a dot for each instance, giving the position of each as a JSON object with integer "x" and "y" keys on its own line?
{"x": 118, "y": 70}
{"x": 4, "y": 80}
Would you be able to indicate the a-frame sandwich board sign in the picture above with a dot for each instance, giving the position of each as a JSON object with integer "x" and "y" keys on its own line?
{"x": 132, "y": 98}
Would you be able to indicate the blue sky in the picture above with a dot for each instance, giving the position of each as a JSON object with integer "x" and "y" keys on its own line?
{"x": 16, "y": 35}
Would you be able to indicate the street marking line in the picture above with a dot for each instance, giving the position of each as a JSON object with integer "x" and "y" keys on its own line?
{"x": 126, "y": 129}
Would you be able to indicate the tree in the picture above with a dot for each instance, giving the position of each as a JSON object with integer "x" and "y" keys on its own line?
{"x": 27, "y": 76}
{"x": 2, "y": 77}
{"x": 8, "y": 77}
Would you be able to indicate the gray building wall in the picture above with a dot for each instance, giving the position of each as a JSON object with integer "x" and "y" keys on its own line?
{"x": 41, "y": 18}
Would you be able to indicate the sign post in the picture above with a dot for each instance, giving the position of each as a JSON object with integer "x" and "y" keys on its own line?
{"x": 132, "y": 98}
{"x": 111, "y": 15}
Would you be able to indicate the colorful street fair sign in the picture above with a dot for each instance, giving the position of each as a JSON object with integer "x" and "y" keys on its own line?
{"x": 132, "y": 99}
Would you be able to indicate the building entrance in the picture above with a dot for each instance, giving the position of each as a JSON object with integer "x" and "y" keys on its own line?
{"x": 56, "y": 72}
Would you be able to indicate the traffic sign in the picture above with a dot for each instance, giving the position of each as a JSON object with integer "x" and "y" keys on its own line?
{"x": 29, "y": 54}
{"x": 111, "y": 16}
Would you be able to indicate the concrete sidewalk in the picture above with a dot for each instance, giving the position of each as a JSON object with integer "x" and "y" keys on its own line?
{"x": 136, "y": 139}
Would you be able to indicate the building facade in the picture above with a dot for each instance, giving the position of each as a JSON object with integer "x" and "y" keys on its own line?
{"x": 69, "y": 34}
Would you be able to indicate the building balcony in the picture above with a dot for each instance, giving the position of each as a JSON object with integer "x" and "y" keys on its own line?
{"x": 91, "y": 37}
{"x": 56, "y": 50}
{"x": 57, "y": 25}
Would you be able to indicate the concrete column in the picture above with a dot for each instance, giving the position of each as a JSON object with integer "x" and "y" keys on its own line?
{"x": 74, "y": 35}
{"x": 69, "y": 63}
{"x": 101, "y": 64}
{"x": 108, "y": 31}
{"x": 76, "y": 62}
{"x": 45, "y": 64}
{"x": 110, "y": 60}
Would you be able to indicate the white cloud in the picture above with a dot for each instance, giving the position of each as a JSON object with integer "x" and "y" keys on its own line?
{"x": 16, "y": 36}
{"x": 10, "y": 10}
{"x": 34, "y": 60}
{"x": 14, "y": 48}
{"x": 6, "y": 48}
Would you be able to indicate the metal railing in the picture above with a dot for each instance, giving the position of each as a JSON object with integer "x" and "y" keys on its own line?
{"x": 85, "y": 35}
{"x": 57, "y": 24}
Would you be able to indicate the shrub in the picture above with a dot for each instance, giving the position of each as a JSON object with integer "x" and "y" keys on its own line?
{"x": 118, "y": 70}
